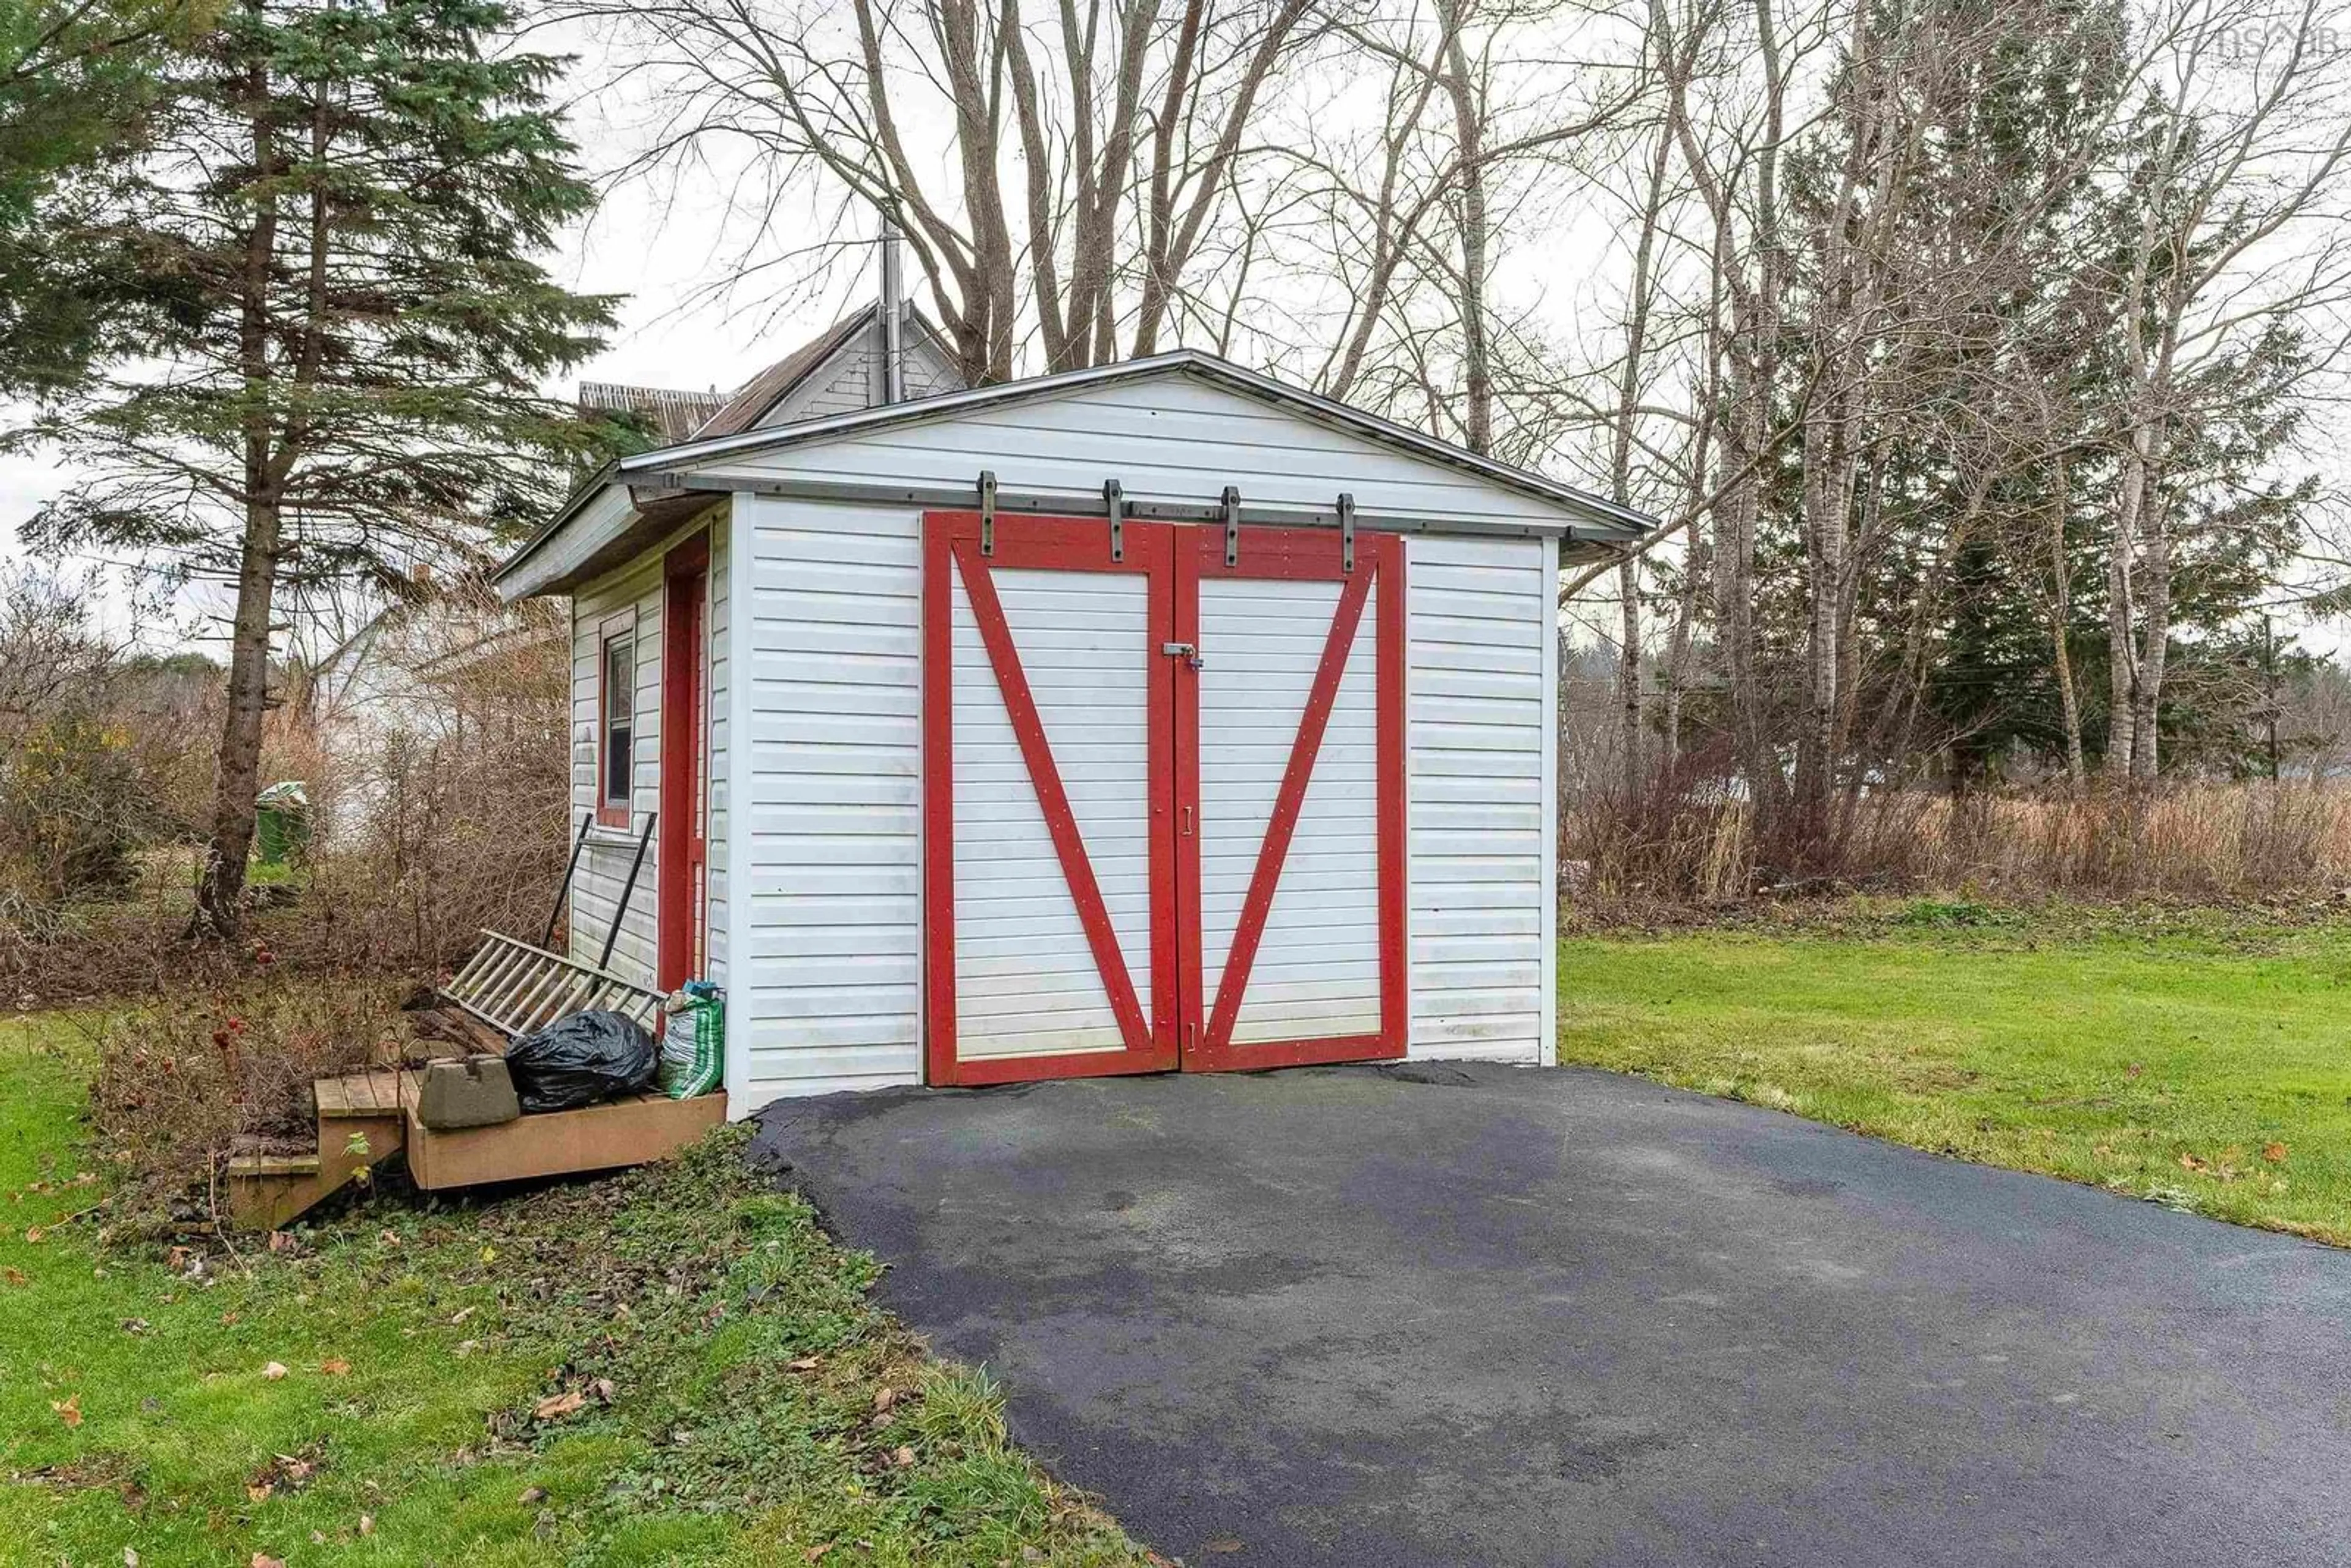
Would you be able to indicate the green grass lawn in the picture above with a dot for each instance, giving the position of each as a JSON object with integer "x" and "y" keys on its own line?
{"x": 378, "y": 1393}
{"x": 2199, "y": 1063}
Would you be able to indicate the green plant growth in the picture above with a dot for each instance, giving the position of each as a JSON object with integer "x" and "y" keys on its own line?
{"x": 674, "y": 1365}
{"x": 2207, "y": 1071}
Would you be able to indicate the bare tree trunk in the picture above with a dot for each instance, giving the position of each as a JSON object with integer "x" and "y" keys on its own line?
{"x": 1469, "y": 133}
{"x": 1620, "y": 462}
{"x": 2147, "y": 690}
{"x": 2061, "y": 622}
{"x": 220, "y": 890}
{"x": 2122, "y": 669}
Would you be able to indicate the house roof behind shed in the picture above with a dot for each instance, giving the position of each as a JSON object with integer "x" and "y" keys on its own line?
{"x": 674, "y": 415}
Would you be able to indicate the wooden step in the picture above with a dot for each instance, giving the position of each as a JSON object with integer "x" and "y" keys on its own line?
{"x": 359, "y": 1094}
{"x": 274, "y": 1165}
{"x": 265, "y": 1191}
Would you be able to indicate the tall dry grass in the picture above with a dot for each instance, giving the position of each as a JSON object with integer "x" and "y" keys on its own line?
{"x": 1692, "y": 839}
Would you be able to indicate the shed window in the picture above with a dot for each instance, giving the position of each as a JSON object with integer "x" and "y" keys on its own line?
{"x": 616, "y": 765}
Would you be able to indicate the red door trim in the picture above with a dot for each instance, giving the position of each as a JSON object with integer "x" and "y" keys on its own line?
{"x": 1309, "y": 555}
{"x": 952, "y": 547}
{"x": 683, "y": 869}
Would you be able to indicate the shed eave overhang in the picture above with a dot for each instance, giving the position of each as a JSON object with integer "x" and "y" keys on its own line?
{"x": 1588, "y": 526}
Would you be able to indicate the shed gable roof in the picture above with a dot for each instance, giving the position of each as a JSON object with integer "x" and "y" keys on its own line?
{"x": 1063, "y": 436}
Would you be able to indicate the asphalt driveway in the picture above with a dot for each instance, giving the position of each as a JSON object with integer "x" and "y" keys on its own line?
{"x": 1474, "y": 1315}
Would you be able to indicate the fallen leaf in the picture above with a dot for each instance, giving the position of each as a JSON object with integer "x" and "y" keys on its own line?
{"x": 68, "y": 1409}
{"x": 555, "y": 1406}
{"x": 531, "y": 1495}
{"x": 460, "y": 1315}
{"x": 2190, "y": 1163}
{"x": 134, "y": 1325}
{"x": 263, "y": 1560}
{"x": 805, "y": 1363}
{"x": 130, "y": 1557}
{"x": 281, "y": 1241}
{"x": 813, "y": 1553}
{"x": 334, "y": 1366}
{"x": 1222, "y": 1543}
{"x": 228, "y": 1320}
{"x": 904, "y": 1456}
{"x": 259, "y": 1491}
{"x": 33, "y": 1236}
{"x": 2273, "y": 1153}
{"x": 884, "y": 1398}
{"x": 367, "y": 1524}
{"x": 14, "y": 1276}
{"x": 274, "y": 1371}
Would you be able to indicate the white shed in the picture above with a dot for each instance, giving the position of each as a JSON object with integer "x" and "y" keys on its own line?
{"x": 1148, "y": 717}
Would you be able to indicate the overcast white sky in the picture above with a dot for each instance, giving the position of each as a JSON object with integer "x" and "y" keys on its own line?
{"x": 657, "y": 249}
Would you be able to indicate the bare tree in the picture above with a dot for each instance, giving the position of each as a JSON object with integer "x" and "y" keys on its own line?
{"x": 2235, "y": 207}
{"x": 1086, "y": 151}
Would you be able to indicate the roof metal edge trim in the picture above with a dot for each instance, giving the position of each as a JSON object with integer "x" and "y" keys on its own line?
{"x": 1082, "y": 504}
{"x": 1264, "y": 389}
{"x": 1603, "y": 522}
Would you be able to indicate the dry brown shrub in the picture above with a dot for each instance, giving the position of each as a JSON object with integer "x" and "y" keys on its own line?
{"x": 1694, "y": 841}
{"x": 440, "y": 807}
{"x": 183, "y": 1083}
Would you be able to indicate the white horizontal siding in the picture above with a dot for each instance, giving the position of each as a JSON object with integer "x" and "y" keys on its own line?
{"x": 1317, "y": 970}
{"x": 825, "y": 873}
{"x": 1164, "y": 438}
{"x": 1478, "y": 724}
{"x": 636, "y": 594}
{"x": 632, "y": 595}
{"x": 851, "y": 379}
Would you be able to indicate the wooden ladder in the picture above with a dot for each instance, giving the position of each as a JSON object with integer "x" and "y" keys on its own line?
{"x": 516, "y": 988}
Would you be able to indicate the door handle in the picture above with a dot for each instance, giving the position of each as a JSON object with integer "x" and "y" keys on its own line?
{"x": 1187, "y": 652}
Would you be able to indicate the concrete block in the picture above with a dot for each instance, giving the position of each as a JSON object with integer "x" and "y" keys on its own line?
{"x": 476, "y": 1091}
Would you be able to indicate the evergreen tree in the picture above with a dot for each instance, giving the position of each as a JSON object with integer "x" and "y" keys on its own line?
{"x": 80, "y": 82}
{"x": 321, "y": 273}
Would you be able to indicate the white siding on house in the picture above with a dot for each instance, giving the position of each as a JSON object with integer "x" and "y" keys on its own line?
{"x": 632, "y": 597}
{"x": 629, "y": 599}
{"x": 1478, "y": 622}
{"x": 850, "y": 380}
{"x": 1165, "y": 438}
{"x": 826, "y": 874}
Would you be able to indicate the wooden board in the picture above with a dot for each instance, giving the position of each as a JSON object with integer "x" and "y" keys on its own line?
{"x": 600, "y": 1137}
{"x": 359, "y": 1094}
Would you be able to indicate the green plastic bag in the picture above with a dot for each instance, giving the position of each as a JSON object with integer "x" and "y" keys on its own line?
{"x": 694, "y": 1041}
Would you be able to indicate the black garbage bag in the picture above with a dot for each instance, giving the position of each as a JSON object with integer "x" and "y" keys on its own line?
{"x": 582, "y": 1060}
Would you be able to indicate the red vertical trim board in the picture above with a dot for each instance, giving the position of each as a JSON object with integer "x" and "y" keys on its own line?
{"x": 685, "y": 582}
{"x": 938, "y": 801}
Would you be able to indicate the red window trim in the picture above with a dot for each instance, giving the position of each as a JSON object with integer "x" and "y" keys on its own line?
{"x": 610, "y": 813}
